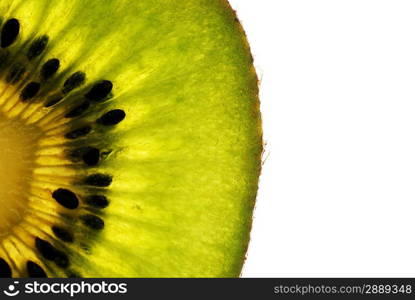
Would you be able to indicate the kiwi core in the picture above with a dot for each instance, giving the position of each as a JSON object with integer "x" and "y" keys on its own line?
{"x": 18, "y": 144}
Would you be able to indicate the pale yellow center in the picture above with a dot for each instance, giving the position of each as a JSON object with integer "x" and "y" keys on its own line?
{"x": 18, "y": 144}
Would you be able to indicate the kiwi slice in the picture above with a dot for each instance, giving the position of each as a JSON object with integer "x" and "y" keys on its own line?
{"x": 130, "y": 139}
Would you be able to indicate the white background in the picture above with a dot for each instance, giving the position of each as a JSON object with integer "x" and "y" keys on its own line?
{"x": 337, "y": 193}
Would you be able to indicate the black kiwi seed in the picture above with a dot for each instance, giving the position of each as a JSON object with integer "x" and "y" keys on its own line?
{"x": 37, "y": 47}
{"x": 91, "y": 156}
{"x": 99, "y": 91}
{"x": 66, "y": 198}
{"x": 30, "y": 90}
{"x": 112, "y": 117}
{"x": 97, "y": 201}
{"x": 49, "y": 252}
{"x": 74, "y": 81}
{"x": 92, "y": 221}
{"x": 62, "y": 234}
{"x": 78, "y": 132}
{"x": 9, "y": 32}
{"x": 98, "y": 180}
{"x": 5, "y": 270}
{"x": 15, "y": 73}
{"x": 78, "y": 110}
{"x": 49, "y": 68}
{"x": 45, "y": 248}
{"x": 34, "y": 270}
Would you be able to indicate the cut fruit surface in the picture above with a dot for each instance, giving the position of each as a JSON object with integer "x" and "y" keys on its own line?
{"x": 130, "y": 139}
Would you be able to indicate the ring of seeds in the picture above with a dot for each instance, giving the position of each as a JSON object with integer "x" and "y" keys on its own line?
{"x": 57, "y": 117}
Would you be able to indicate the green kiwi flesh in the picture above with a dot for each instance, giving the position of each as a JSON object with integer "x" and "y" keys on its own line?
{"x": 130, "y": 139}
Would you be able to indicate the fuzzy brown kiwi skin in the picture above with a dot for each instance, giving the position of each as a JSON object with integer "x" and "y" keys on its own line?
{"x": 239, "y": 261}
